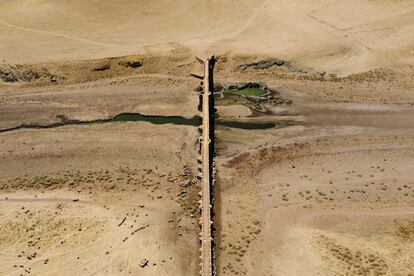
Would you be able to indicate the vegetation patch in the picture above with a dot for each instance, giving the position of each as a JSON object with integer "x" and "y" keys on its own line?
{"x": 255, "y": 95}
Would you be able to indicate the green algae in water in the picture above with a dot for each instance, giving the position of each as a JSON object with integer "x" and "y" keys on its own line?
{"x": 251, "y": 125}
{"x": 158, "y": 120}
{"x": 194, "y": 121}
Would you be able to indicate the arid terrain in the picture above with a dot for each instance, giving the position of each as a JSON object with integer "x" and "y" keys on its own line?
{"x": 99, "y": 139}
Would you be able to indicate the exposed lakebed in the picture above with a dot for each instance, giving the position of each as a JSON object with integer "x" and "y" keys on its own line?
{"x": 157, "y": 120}
{"x": 252, "y": 95}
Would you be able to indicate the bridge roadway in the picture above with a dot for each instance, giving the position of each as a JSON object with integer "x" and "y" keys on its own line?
{"x": 205, "y": 220}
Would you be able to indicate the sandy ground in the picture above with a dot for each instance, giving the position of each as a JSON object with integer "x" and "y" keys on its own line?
{"x": 336, "y": 181}
{"x": 93, "y": 101}
{"x": 331, "y": 196}
{"x": 345, "y": 36}
{"x": 77, "y": 201}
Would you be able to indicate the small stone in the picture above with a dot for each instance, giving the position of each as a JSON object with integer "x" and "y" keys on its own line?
{"x": 143, "y": 263}
{"x": 186, "y": 183}
{"x": 134, "y": 64}
{"x": 185, "y": 171}
{"x": 102, "y": 67}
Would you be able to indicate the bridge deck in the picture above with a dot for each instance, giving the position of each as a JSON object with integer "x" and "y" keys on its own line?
{"x": 206, "y": 238}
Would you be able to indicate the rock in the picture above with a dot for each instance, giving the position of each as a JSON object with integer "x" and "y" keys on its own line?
{"x": 242, "y": 67}
{"x": 134, "y": 64}
{"x": 263, "y": 64}
{"x": 186, "y": 183}
{"x": 267, "y": 63}
{"x": 143, "y": 263}
{"x": 243, "y": 85}
{"x": 14, "y": 73}
{"x": 29, "y": 75}
{"x": 7, "y": 75}
{"x": 102, "y": 67}
{"x": 185, "y": 171}
{"x": 131, "y": 63}
{"x": 182, "y": 193}
{"x": 269, "y": 97}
